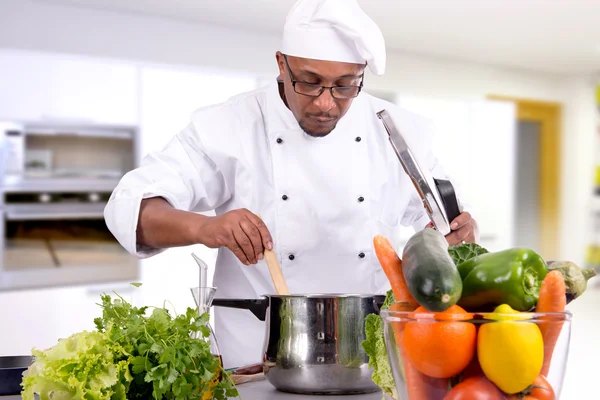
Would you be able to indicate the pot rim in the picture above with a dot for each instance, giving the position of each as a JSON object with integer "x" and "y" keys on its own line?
{"x": 324, "y": 295}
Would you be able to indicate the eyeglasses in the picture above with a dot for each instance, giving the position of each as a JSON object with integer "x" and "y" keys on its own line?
{"x": 315, "y": 90}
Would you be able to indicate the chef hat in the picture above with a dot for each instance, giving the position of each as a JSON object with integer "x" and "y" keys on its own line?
{"x": 334, "y": 30}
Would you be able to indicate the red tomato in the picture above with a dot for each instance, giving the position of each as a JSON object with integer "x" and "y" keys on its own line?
{"x": 542, "y": 389}
{"x": 473, "y": 369}
{"x": 475, "y": 388}
{"x": 539, "y": 390}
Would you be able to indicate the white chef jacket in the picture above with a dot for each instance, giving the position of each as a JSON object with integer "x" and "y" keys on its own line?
{"x": 323, "y": 199}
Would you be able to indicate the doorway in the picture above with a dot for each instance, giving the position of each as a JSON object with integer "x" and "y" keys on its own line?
{"x": 527, "y": 218}
{"x": 537, "y": 178}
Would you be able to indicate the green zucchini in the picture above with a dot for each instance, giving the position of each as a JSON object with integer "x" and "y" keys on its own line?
{"x": 430, "y": 273}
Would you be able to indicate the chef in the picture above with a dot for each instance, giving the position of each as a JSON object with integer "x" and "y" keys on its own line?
{"x": 308, "y": 154}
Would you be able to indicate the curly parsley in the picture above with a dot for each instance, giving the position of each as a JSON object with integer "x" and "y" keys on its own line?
{"x": 169, "y": 357}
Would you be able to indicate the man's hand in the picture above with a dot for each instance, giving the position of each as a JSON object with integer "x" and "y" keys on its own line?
{"x": 464, "y": 230}
{"x": 241, "y": 231}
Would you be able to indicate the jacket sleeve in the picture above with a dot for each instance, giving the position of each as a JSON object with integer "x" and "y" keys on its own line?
{"x": 182, "y": 173}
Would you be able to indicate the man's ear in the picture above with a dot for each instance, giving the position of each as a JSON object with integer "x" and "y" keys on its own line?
{"x": 280, "y": 63}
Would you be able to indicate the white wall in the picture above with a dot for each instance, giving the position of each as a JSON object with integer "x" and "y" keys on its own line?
{"x": 579, "y": 149}
{"x": 30, "y": 25}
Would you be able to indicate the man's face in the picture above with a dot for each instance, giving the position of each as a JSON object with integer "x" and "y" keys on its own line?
{"x": 318, "y": 115}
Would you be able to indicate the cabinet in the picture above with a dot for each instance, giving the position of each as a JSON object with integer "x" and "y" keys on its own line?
{"x": 67, "y": 89}
{"x": 38, "y": 318}
{"x": 73, "y": 114}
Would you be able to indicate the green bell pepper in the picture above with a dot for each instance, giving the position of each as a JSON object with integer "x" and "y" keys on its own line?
{"x": 512, "y": 277}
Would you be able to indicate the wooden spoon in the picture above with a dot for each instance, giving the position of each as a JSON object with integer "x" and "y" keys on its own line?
{"x": 276, "y": 274}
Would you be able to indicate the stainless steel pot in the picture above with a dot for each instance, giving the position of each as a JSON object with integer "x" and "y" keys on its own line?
{"x": 313, "y": 342}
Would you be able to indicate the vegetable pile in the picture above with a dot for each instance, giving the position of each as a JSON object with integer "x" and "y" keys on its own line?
{"x": 131, "y": 355}
{"x": 470, "y": 332}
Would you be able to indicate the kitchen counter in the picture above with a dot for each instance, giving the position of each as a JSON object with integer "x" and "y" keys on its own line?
{"x": 263, "y": 390}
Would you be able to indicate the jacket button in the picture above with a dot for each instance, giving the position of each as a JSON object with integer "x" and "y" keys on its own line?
{"x": 284, "y": 197}
{"x": 361, "y": 255}
{"x": 291, "y": 257}
{"x": 361, "y": 199}
{"x": 358, "y": 139}
{"x": 279, "y": 140}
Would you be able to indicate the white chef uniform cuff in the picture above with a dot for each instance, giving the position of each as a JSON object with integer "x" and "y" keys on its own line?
{"x": 125, "y": 208}
{"x": 150, "y": 192}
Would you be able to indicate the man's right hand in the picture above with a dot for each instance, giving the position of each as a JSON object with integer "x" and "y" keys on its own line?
{"x": 241, "y": 231}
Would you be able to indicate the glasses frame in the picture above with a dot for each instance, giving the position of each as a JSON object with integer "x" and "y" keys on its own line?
{"x": 322, "y": 88}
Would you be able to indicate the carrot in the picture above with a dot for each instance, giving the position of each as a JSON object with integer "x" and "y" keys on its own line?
{"x": 392, "y": 266}
{"x": 418, "y": 385}
{"x": 552, "y": 298}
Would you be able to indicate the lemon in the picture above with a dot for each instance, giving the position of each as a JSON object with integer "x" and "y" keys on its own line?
{"x": 510, "y": 349}
{"x": 504, "y": 312}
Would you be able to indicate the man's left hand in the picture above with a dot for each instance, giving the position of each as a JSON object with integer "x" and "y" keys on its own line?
{"x": 464, "y": 230}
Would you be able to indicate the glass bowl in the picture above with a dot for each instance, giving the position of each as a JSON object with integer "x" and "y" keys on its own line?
{"x": 444, "y": 356}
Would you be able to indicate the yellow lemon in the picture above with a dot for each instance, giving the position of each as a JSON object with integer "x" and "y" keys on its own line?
{"x": 510, "y": 349}
{"x": 505, "y": 312}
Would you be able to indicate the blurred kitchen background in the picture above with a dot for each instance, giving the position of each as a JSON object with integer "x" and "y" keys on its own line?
{"x": 88, "y": 87}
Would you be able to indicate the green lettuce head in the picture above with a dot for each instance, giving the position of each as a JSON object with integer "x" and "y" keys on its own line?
{"x": 465, "y": 251}
{"x": 84, "y": 366}
{"x": 374, "y": 346}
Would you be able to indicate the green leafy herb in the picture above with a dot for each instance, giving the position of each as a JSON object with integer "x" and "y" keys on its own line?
{"x": 132, "y": 355}
{"x": 465, "y": 251}
{"x": 170, "y": 356}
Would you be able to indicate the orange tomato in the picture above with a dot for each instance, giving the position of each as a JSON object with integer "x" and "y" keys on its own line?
{"x": 475, "y": 388}
{"x": 443, "y": 346}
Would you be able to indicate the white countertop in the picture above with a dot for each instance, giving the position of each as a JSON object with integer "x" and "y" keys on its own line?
{"x": 263, "y": 390}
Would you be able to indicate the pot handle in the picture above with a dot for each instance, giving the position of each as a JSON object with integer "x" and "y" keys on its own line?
{"x": 258, "y": 307}
{"x": 378, "y": 303}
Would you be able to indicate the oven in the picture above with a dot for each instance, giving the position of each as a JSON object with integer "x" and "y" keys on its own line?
{"x": 52, "y": 229}
{"x": 59, "y": 238}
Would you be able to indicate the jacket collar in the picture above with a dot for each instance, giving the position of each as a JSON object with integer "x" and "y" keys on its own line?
{"x": 279, "y": 117}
